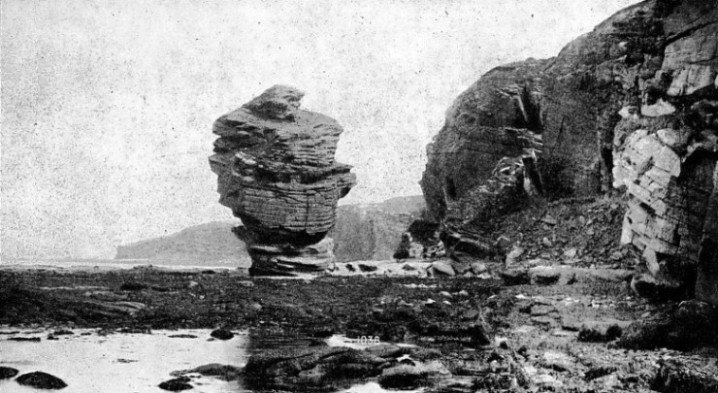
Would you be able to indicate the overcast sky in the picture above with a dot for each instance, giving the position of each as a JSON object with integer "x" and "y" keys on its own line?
{"x": 107, "y": 106}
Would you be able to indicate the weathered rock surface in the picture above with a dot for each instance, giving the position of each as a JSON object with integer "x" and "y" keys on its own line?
{"x": 224, "y": 372}
{"x": 666, "y": 160}
{"x": 631, "y": 105}
{"x": 276, "y": 171}
{"x": 683, "y": 376}
{"x": 486, "y": 123}
{"x": 412, "y": 376}
{"x": 323, "y": 369}
{"x": 707, "y": 280}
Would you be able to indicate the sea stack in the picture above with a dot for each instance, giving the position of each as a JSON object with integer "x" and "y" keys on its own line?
{"x": 276, "y": 171}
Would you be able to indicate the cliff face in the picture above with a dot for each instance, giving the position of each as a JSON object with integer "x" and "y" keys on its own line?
{"x": 373, "y": 231}
{"x": 276, "y": 171}
{"x": 496, "y": 117}
{"x": 631, "y": 106}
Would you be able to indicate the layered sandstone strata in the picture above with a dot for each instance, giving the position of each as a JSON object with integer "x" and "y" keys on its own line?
{"x": 276, "y": 171}
{"x": 632, "y": 105}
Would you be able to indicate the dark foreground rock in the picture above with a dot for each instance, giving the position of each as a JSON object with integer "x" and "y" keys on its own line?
{"x": 412, "y": 376}
{"x": 7, "y": 372}
{"x": 602, "y": 331}
{"x": 41, "y": 380}
{"x": 176, "y": 384}
{"x": 222, "y": 371}
{"x": 688, "y": 325}
{"x": 323, "y": 369}
{"x": 679, "y": 376}
{"x": 222, "y": 334}
{"x": 28, "y": 339}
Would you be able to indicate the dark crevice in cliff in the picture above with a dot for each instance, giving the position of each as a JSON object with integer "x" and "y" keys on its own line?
{"x": 450, "y": 189}
{"x": 532, "y": 111}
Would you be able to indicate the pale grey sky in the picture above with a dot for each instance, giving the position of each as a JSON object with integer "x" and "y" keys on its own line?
{"x": 107, "y": 106}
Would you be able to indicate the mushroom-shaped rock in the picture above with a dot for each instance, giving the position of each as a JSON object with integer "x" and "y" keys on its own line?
{"x": 276, "y": 171}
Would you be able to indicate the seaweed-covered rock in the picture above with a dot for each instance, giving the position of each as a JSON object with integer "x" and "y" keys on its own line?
{"x": 310, "y": 369}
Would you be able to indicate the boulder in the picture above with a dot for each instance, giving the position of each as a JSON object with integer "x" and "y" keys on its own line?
{"x": 225, "y": 372}
{"x": 176, "y": 384}
{"x": 182, "y": 336}
{"x": 443, "y": 268}
{"x": 681, "y": 375}
{"x": 276, "y": 171}
{"x": 544, "y": 275}
{"x": 515, "y": 277}
{"x": 651, "y": 287}
{"x": 310, "y": 369}
{"x": 602, "y": 331}
{"x": 408, "y": 377}
{"x": 8, "y": 372}
{"x": 689, "y": 326}
{"x": 558, "y": 361}
{"x": 222, "y": 334}
{"x": 26, "y": 339}
{"x": 41, "y": 380}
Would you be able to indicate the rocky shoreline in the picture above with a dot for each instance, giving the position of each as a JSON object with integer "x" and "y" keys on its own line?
{"x": 556, "y": 328}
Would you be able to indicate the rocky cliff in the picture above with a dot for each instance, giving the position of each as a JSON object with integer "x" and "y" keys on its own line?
{"x": 373, "y": 231}
{"x": 631, "y": 107}
{"x": 276, "y": 171}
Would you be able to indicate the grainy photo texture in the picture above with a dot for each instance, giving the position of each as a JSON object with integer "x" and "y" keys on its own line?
{"x": 359, "y": 196}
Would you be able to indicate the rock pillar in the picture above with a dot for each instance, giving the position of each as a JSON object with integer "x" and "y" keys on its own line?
{"x": 276, "y": 171}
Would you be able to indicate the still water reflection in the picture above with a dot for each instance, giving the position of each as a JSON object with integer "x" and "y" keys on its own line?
{"x": 126, "y": 362}
{"x": 121, "y": 362}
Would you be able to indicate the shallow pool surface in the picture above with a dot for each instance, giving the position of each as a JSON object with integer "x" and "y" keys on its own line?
{"x": 120, "y": 362}
{"x": 90, "y": 362}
